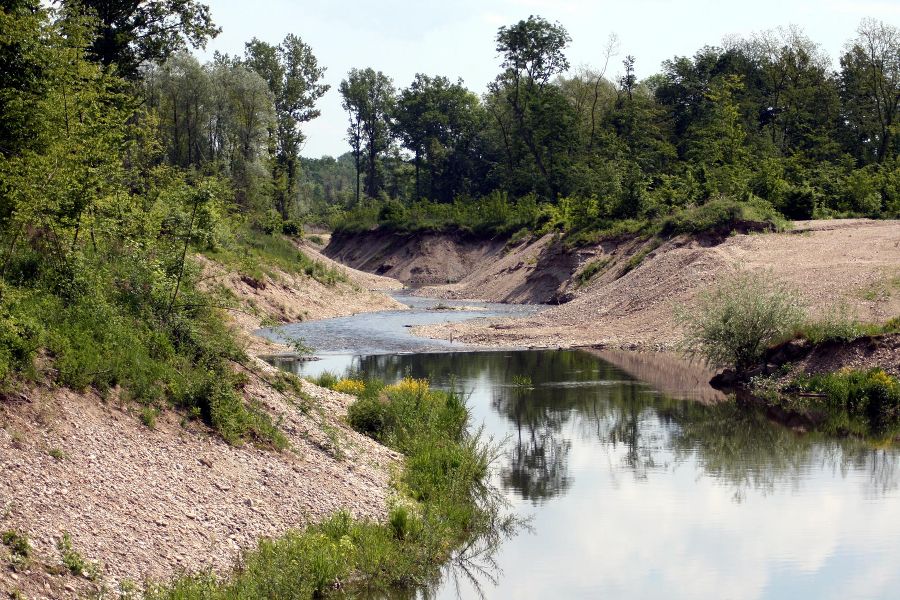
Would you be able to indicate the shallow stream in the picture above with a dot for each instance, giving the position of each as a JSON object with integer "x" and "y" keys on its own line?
{"x": 648, "y": 490}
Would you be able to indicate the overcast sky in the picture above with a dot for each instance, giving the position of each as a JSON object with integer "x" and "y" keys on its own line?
{"x": 456, "y": 38}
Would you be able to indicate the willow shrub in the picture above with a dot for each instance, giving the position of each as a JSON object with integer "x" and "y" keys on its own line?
{"x": 734, "y": 322}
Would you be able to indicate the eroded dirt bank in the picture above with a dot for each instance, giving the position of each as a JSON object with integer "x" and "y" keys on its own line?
{"x": 413, "y": 259}
{"x": 148, "y": 503}
{"x": 630, "y": 300}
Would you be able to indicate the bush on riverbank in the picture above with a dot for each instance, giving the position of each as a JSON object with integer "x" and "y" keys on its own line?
{"x": 734, "y": 322}
{"x": 855, "y": 402}
{"x": 579, "y": 220}
{"x": 444, "y": 501}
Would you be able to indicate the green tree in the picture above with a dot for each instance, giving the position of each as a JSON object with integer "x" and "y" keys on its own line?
{"x": 132, "y": 32}
{"x": 870, "y": 82}
{"x": 799, "y": 107}
{"x": 368, "y": 98}
{"x": 533, "y": 54}
{"x": 718, "y": 143}
{"x": 294, "y": 78}
{"x": 437, "y": 121}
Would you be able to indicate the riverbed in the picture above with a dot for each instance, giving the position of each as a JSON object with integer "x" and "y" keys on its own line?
{"x": 640, "y": 490}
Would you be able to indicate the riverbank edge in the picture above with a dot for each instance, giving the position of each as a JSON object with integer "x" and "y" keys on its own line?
{"x": 770, "y": 386}
{"x": 44, "y": 438}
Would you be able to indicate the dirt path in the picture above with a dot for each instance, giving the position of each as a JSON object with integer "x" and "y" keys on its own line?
{"x": 148, "y": 503}
{"x": 852, "y": 263}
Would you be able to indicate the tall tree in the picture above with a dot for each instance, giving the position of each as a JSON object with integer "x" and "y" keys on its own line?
{"x": 368, "y": 98}
{"x": 870, "y": 82}
{"x": 132, "y": 32}
{"x": 294, "y": 77}
{"x": 437, "y": 121}
{"x": 533, "y": 54}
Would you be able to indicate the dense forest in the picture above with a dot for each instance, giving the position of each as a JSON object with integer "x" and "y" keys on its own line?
{"x": 122, "y": 155}
{"x": 762, "y": 120}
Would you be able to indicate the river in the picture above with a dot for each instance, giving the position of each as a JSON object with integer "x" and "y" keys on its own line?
{"x": 645, "y": 488}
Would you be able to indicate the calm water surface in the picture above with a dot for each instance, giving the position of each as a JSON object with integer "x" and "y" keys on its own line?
{"x": 635, "y": 494}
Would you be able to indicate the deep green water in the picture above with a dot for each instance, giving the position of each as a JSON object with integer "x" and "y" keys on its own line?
{"x": 635, "y": 494}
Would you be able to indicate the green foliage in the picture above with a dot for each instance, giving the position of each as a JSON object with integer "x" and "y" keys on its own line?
{"x": 326, "y": 380}
{"x": 17, "y": 543}
{"x": 723, "y": 215}
{"x": 73, "y": 561}
{"x": 860, "y": 402}
{"x": 735, "y": 321}
{"x": 445, "y": 476}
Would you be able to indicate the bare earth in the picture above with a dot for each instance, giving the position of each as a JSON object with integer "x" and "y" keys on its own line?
{"x": 146, "y": 504}
{"x": 855, "y": 263}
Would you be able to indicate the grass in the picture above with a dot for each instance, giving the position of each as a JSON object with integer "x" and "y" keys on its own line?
{"x": 148, "y": 417}
{"x": 18, "y": 544}
{"x": 848, "y": 402}
{"x": 591, "y": 270}
{"x": 882, "y": 290}
{"x": 443, "y": 502}
{"x": 106, "y": 326}
{"x": 839, "y": 324}
{"x": 74, "y": 562}
{"x": 256, "y": 254}
{"x": 635, "y": 261}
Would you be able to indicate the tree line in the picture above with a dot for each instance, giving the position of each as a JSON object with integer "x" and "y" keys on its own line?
{"x": 765, "y": 117}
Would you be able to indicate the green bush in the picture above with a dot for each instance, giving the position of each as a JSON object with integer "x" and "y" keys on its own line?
{"x": 722, "y": 215}
{"x": 17, "y": 543}
{"x": 735, "y": 321}
{"x": 864, "y": 402}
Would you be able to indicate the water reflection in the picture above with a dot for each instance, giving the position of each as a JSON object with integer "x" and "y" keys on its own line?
{"x": 637, "y": 494}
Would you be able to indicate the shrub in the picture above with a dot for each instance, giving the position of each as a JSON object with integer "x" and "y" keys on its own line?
{"x": 871, "y": 397}
{"x": 148, "y": 417}
{"x": 732, "y": 323}
{"x": 723, "y": 215}
{"x": 326, "y": 379}
{"x": 368, "y": 416}
{"x": 17, "y": 543}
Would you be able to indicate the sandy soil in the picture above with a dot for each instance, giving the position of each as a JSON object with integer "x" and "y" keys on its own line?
{"x": 850, "y": 262}
{"x": 413, "y": 259}
{"x": 288, "y": 298}
{"x": 146, "y": 504}
{"x": 531, "y": 272}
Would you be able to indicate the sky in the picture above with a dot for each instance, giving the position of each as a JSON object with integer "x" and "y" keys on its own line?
{"x": 456, "y": 38}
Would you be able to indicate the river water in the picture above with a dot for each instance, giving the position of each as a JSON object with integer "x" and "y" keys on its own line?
{"x": 637, "y": 485}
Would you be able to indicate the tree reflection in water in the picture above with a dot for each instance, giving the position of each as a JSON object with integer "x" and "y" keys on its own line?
{"x": 580, "y": 405}
{"x": 577, "y": 397}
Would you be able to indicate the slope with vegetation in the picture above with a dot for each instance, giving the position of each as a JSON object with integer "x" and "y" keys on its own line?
{"x": 625, "y": 292}
{"x": 139, "y": 436}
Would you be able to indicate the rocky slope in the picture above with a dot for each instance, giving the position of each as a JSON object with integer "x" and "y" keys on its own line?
{"x": 146, "y": 503}
{"x": 630, "y": 301}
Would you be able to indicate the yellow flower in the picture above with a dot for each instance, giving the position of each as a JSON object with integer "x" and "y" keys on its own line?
{"x": 354, "y": 387}
{"x": 408, "y": 385}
